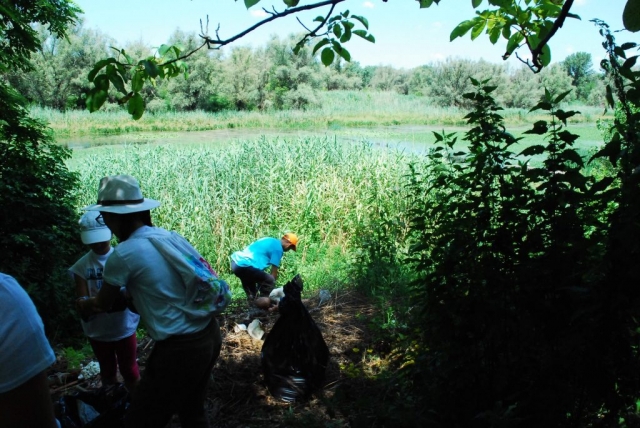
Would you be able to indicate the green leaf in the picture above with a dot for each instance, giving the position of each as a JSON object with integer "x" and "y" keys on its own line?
{"x": 163, "y": 49}
{"x": 362, "y": 20}
{"x": 513, "y": 43}
{"x": 96, "y": 99}
{"x": 115, "y": 78}
{"x": 320, "y": 44}
{"x": 476, "y": 3}
{"x": 337, "y": 30}
{"x": 291, "y": 3}
{"x": 102, "y": 82}
{"x": 327, "y": 56}
{"x": 461, "y": 29}
{"x": 601, "y": 185}
{"x": 562, "y": 96}
{"x": 494, "y": 35}
{"x": 150, "y": 67}
{"x": 631, "y": 15}
{"x": 477, "y": 29}
{"x": 249, "y": 3}
{"x": 539, "y": 128}
{"x": 341, "y": 51}
{"x": 135, "y": 106}
{"x": 99, "y": 66}
{"x": 347, "y": 33}
{"x": 532, "y": 150}
{"x": 137, "y": 81}
{"x": 545, "y": 55}
{"x": 425, "y": 3}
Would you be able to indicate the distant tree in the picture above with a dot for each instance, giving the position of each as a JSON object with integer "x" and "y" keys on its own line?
{"x": 450, "y": 80}
{"x": 58, "y": 78}
{"x": 420, "y": 79}
{"x": 556, "y": 81}
{"x": 245, "y": 73}
{"x": 523, "y": 88}
{"x": 580, "y": 68}
{"x": 293, "y": 77}
{"x": 202, "y": 88}
{"x": 387, "y": 78}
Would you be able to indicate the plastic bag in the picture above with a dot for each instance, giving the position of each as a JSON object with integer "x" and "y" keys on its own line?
{"x": 105, "y": 407}
{"x": 294, "y": 354}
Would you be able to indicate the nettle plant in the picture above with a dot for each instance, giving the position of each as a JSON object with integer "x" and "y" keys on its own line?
{"x": 528, "y": 274}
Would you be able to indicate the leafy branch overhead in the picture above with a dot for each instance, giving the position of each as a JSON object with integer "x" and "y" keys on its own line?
{"x": 526, "y": 24}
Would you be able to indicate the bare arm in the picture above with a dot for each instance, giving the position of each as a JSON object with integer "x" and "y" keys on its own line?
{"x": 82, "y": 289}
{"x": 29, "y": 405}
{"x": 102, "y": 302}
{"x": 274, "y": 272}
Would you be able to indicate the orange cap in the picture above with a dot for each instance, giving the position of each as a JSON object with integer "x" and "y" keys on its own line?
{"x": 293, "y": 238}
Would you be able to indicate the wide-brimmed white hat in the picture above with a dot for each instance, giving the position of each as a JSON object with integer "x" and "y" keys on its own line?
{"x": 121, "y": 194}
{"x": 92, "y": 230}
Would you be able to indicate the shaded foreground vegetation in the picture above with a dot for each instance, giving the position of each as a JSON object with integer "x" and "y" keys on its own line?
{"x": 510, "y": 292}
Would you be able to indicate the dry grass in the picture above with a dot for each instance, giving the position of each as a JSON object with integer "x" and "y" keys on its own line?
{"x": 238, "y": 396}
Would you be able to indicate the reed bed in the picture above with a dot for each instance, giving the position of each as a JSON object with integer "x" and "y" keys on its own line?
{"x": 223, "y": 198}
{"x": 339, "y": 109}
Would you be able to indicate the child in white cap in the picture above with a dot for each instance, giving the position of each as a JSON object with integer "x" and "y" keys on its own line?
{"x": 112, "y": 335}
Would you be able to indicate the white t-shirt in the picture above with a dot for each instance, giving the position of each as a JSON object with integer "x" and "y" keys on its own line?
{"x": 24, "y": 349}
{"x": 157, "y": 289}
{"x": 105, "y": 327}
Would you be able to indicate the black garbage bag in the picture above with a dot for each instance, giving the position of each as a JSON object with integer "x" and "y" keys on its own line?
{"x": 108, "y": 405}
{"x": 294, "y": 354}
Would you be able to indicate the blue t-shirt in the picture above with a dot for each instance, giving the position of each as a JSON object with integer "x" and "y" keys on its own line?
{"x": 260, "y": 254}
{"x": 24, "y": 349}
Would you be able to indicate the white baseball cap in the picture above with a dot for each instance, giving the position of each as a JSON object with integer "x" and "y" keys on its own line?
{"x": 93, "y": 229}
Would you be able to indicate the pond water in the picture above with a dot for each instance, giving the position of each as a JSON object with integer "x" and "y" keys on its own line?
{"x": 415, "y": 139}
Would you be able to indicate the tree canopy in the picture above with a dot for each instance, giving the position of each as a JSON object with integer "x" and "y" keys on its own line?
{"x": 528, "y": 24}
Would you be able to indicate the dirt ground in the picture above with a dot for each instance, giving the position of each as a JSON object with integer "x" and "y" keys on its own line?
{"x": 238, "y": 395}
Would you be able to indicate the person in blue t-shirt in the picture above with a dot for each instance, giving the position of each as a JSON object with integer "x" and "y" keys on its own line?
{"x": 249, "y": 264}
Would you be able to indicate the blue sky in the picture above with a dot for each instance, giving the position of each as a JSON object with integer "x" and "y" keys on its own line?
{"x": 406, "y": 36}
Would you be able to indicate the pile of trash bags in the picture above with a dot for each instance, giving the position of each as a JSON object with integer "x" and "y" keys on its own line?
{"x": 294, "y": 355}
{"x": 100, "y": 408}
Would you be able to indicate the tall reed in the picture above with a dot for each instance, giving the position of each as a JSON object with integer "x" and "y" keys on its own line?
{"x": 221, "y": 199}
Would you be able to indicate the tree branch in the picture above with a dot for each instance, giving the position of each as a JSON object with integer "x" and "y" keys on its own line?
{"x": 219, "y": 43}
{"x": 559, "y": 22}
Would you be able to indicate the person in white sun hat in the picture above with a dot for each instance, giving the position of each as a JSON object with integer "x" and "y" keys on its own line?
{"x": 186, "y": 348}
{"x": 112, "y": 335}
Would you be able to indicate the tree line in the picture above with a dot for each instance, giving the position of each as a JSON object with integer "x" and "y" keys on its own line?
{"x": 274, "y": 77}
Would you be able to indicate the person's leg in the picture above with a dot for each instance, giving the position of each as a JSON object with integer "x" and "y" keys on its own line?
{"x": 245, "y": 277}
{"x": 126, "y": 352}
{"x": 175, "y": 370}
{"x": 106, "y": 355}
{"x": 265, "y": 285}
{"x": 192, "y": 412}
{"x": 152, "y": 404}
{"x": 250, "y": 278}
